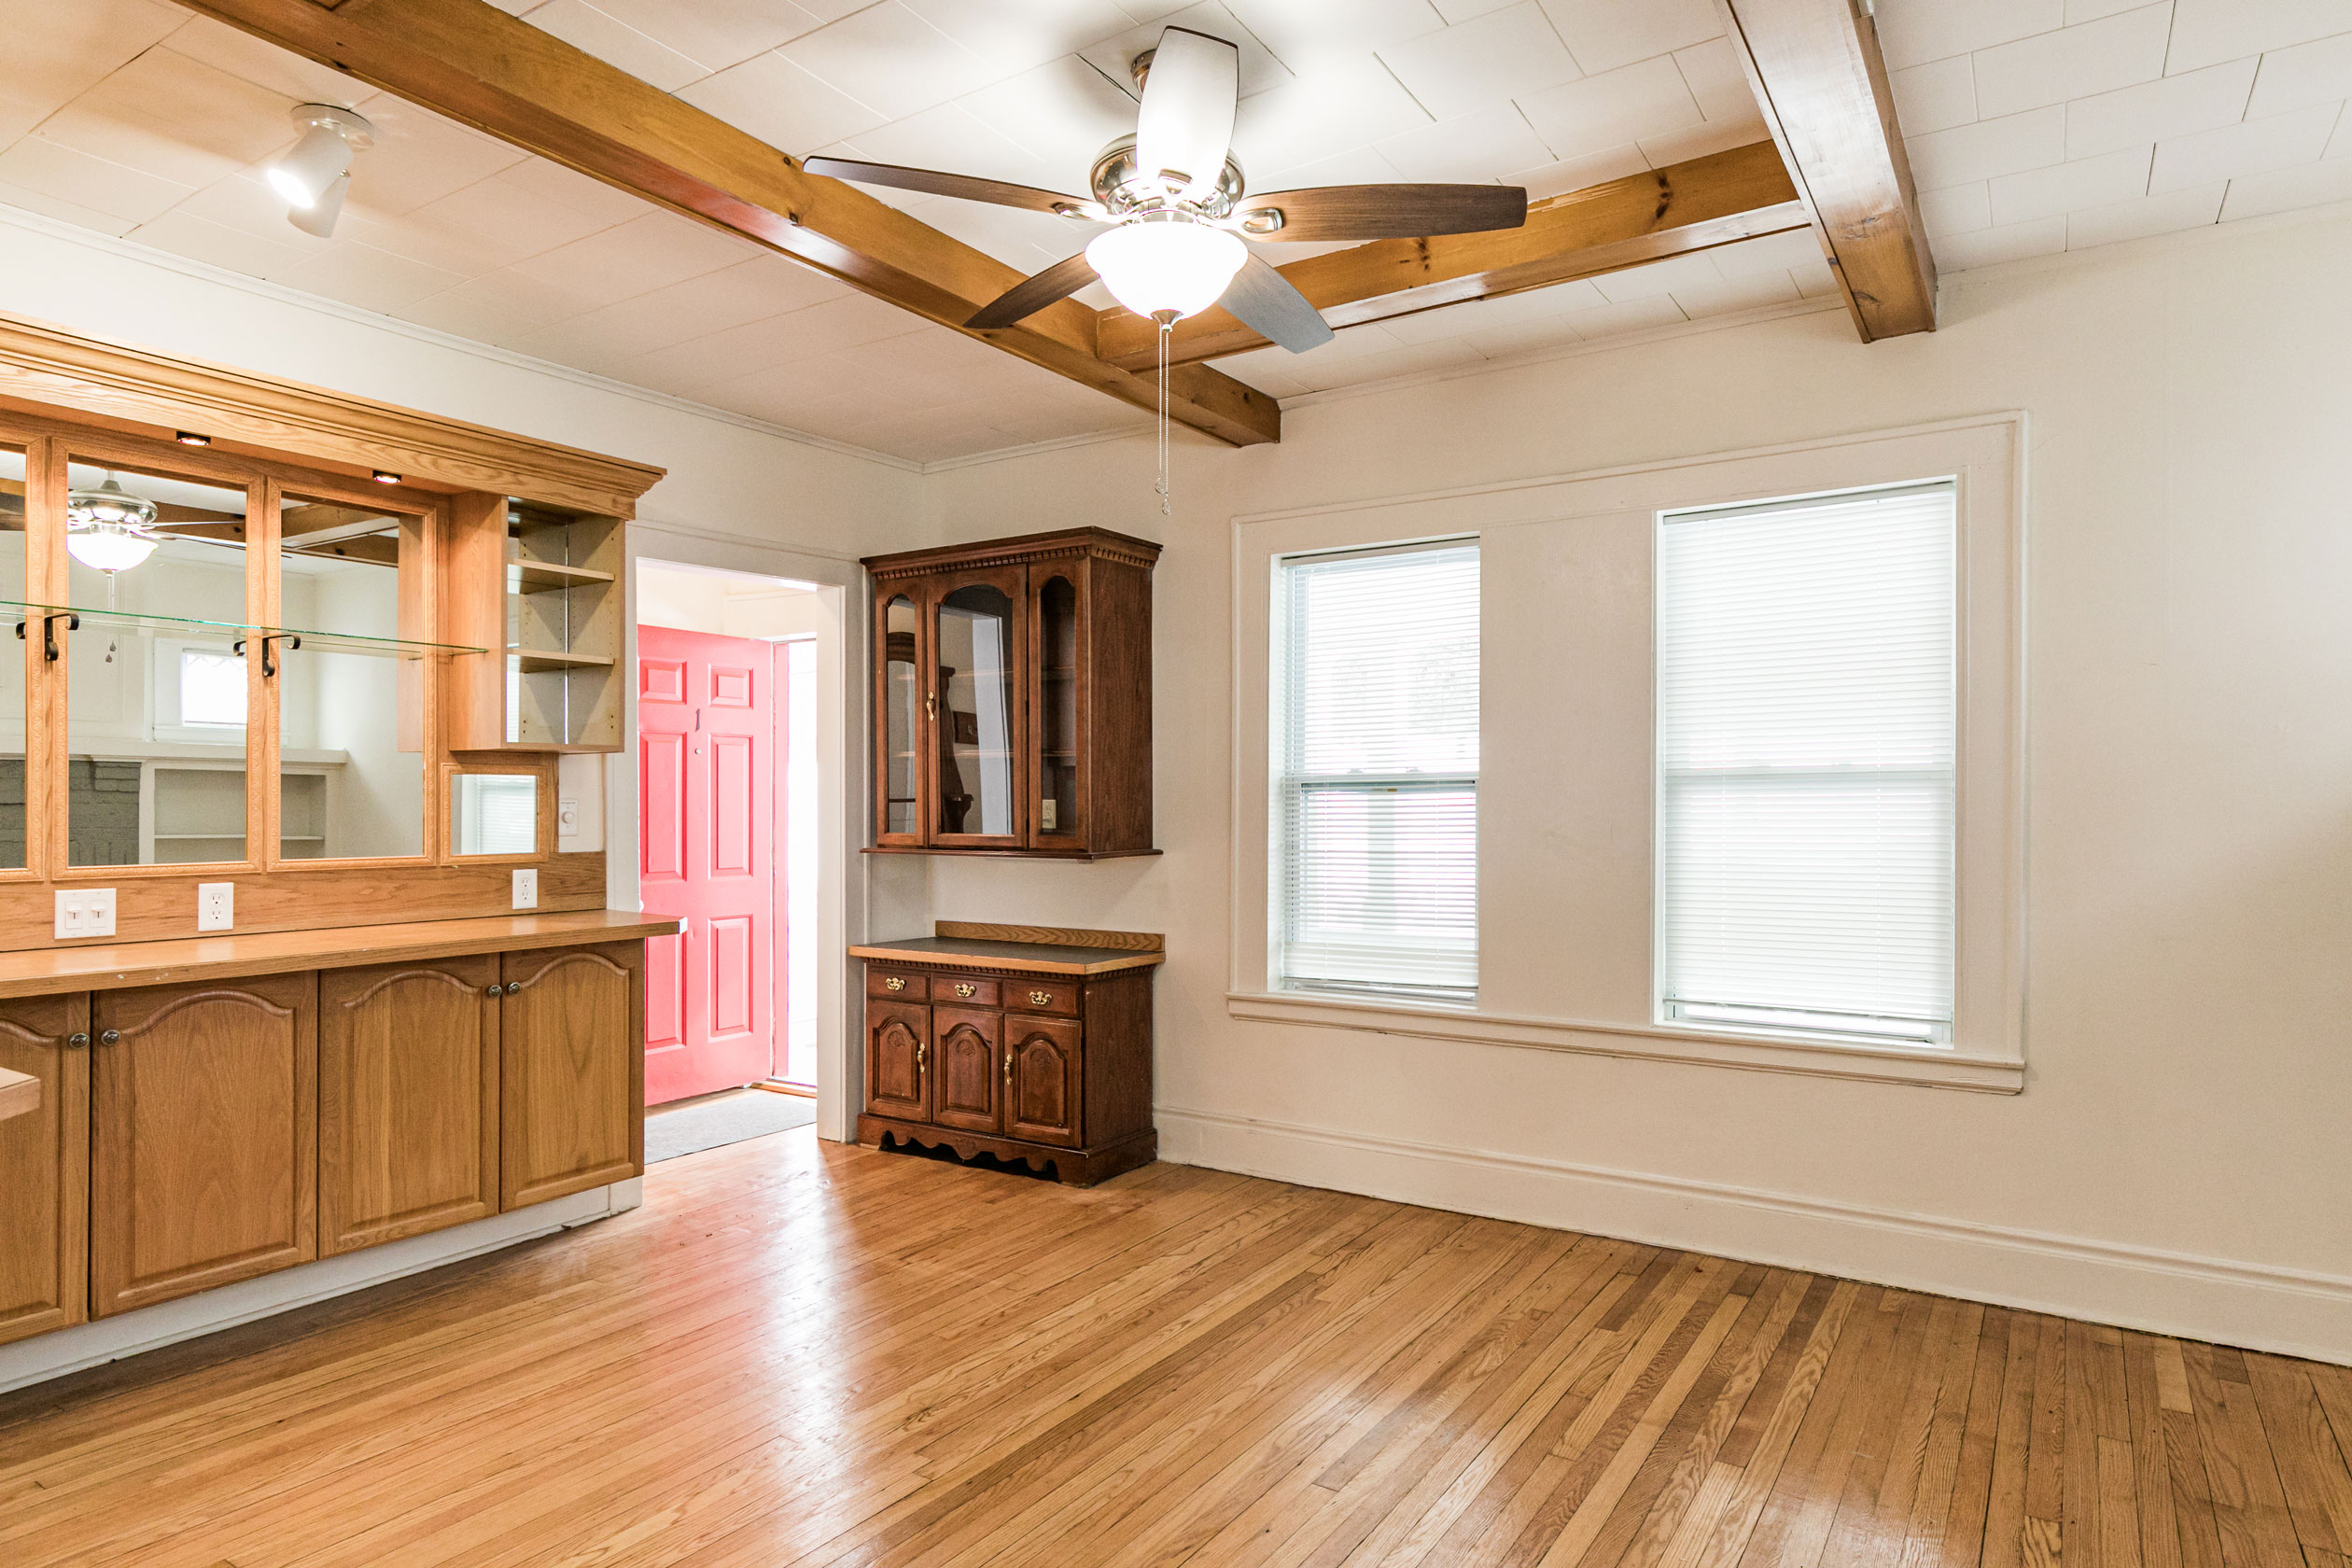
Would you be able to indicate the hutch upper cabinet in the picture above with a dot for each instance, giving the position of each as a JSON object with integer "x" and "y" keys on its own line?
{"x": 1013, "y": 696}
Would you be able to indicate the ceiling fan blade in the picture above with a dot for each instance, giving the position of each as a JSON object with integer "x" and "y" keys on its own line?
{"x": 1385, "y": 212}
{"x": 970, "y": 186}
{"x": 1268, "y": 303}
{"x": 1031, "y": 295}
{"x": 1186, "y": 122}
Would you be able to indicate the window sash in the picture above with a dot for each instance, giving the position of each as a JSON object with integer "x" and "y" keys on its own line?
{"x": 1375, "y": 873}
{"x": 1807, "y": 767}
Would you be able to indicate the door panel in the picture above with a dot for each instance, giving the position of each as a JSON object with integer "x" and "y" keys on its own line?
{"x": 408, "y": 1099}
{"x": 44, "y": 1168}
{"x": 976, "y": 708}
{"x": 1041, "y": 1104}
{"x": 203, "y": 1137}
{"x": 967, "y": 1047}
{"x": 572, "y": 1070}
{"x": 898, "y": 1060}
{"x": 706, "y": 741}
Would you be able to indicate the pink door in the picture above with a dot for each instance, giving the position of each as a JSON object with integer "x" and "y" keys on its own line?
{"x": 706, "y": 789}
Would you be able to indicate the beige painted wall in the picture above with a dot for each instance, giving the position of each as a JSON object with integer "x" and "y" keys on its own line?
{"x": 2179, "y": 1157}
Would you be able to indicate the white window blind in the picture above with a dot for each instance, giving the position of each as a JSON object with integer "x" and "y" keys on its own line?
{"x": 496, "y": 814}
{"x": 212, "y": 688}
{"x": 1377, "y": 798}
{"x": 1806, "y": 725}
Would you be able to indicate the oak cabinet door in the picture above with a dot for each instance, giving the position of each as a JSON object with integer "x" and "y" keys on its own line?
{"x": 968, "y": 1048}
{"x": 571, "y": 1055}
{"x": 44, "y": 1168}
{"x": 898, "y": 1061}
{"x": 203, "y": 1137}
{"x": 1043, "y": 1082}
{"x": 408, "y": 1099}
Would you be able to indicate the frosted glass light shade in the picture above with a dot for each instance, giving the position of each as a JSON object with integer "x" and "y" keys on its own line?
{"x": 319, "y": 217}
{"x": 1178, "y": 268}
{"x": 319, "y": 159}
{"x": 108, "y": 547}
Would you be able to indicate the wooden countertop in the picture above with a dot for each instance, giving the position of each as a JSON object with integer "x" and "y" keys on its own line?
{"x": 1031, "y": 958}
{"x": 51, "y": 971}
{"x": 18, "y": 1094}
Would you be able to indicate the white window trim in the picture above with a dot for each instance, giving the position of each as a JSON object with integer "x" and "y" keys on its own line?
{"x": 1986, "y": 455}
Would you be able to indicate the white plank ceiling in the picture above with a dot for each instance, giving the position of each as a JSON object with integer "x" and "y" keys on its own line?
{"x": 2035, "y": 126}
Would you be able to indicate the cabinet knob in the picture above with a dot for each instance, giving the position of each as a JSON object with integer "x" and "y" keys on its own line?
{"x": 894, "y": 984}
{"x": 110, "y": 1037}
{"x": 492, "y": 990}
{"x": 512, "y": 987}
{"x": 76, "y": 1040}
{"x": 1040, "y": 999}
{"x": 965, "y": 988}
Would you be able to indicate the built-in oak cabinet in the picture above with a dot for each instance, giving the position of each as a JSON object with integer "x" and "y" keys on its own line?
{"x": 1013, "y": 696}
{"x": 193, "y": 1135}
{"x": 204, "y": 1145}
{"x": 571, "y": 1045}
{"x": 44, "y": 1168}
{"x": 408, "y": 1099}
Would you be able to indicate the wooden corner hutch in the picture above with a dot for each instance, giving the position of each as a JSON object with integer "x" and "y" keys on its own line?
{"x": 338, "y": 679}
{"x": 1013, "y": 697}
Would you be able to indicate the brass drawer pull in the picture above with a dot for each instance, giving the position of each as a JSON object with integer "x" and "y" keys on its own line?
{"x": 1008, "y": 1070}
{"x": 1041, "y": 999}
{"x": 921, "y": 1052}
{"x": 965, "y": 988}
{"x": 894, "y": 983}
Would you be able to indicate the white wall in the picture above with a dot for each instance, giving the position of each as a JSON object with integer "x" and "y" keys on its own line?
{"x": 2179, "y": 1157}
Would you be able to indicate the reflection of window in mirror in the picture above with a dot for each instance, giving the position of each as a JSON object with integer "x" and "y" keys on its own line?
{"x": 12, "y": 588}
{"x": 146, "y": 783}
{"x": 351, "y": 781}
{"x": 494, "y": 814}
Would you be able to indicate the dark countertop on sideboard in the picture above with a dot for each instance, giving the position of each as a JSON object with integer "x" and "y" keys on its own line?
{"x": 1031, "y": 958}
{"x": 48, "y": 972}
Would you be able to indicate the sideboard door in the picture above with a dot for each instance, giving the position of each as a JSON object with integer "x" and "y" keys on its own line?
{"x": 898, "y": 1061}
{"x": 571, "y": 1055}
{"x": 44, "y": 1168}
{"x": 1041, "y": 1103}
{"x": 967, "y": 1092}
{"x": 408, "y": 1099}
{"x": 203, "y": 1137}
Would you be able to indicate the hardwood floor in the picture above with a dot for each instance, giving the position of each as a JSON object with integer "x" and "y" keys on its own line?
{"x": 801, "y": 1353}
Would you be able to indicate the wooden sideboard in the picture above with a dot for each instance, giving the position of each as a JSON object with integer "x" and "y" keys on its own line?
{"x": 216, "y": 1109}
{"x": 1015, "y": 1041}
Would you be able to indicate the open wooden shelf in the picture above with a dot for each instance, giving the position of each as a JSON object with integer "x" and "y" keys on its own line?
{"x": 548, "y": 659}
{"x": 555, "y": 574}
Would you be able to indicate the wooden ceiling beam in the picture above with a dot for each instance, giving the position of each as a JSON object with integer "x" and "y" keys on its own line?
{"x": 1821, "y": 82}
{"x": 473, "y": 62}
{"x": 1694, "y": 206}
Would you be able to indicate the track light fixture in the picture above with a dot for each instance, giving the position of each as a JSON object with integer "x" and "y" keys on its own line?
{"x": 314, "y": 176}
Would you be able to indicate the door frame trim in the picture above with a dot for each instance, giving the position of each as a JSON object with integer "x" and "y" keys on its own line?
{"x": 848, "y": 884}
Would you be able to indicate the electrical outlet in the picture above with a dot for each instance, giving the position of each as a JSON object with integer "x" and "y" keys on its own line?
{"x": 215, "y": 905}
{"x": 525, "y": 890}
{"x": 85, "y": 912}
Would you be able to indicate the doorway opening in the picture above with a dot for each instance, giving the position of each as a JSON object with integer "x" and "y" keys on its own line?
{"x": 728, "y": 840}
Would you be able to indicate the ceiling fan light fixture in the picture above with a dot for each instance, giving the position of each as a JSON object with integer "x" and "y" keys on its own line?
{"x": 1168, "y": 266}
{"x": 330, "y": 135}
{"x": 110, "y": 547}
{"x": 106, "y": 527}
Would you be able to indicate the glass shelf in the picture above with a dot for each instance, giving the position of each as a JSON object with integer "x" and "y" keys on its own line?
{"x": 184, "y": 626}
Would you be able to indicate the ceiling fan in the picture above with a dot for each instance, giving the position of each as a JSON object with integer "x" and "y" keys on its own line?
{"x": 1181, "y": 212}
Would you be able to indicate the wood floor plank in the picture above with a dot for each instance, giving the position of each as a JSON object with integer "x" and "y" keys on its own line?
{"x": 799, "y": 1355}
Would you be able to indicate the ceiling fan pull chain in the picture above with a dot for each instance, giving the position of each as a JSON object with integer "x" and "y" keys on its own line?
{"x": 1166, "y": 322}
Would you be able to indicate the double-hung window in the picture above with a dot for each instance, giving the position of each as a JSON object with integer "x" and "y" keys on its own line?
{"x": 1807, "y": 744}
{"x": 1376, "y": 798}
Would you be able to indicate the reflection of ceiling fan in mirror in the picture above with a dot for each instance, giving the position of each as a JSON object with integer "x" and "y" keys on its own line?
{"x": 1180, "y": 213}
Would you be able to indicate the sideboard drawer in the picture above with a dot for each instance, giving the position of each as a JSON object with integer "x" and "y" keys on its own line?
{"x": 893, "y": 985}
{"x": 1042, "y": 996}
{"x": 959, "y": 991}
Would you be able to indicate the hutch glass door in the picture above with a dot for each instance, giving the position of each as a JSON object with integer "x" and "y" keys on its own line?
{"x": 1061, "y": 747}
{"x": 975, "y": 712}
{"x": 900, "y": 764}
